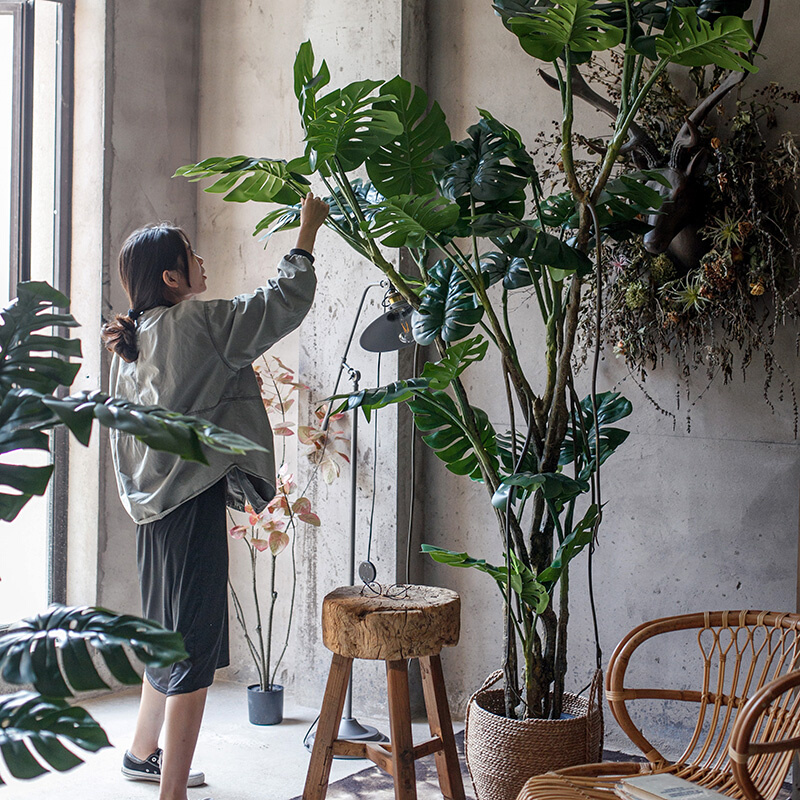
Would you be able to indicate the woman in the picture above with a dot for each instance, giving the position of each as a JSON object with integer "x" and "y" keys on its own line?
{"x": 194, "y": 358}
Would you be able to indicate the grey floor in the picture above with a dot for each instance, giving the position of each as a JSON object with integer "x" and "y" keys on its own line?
{"x": 241, "y": 761}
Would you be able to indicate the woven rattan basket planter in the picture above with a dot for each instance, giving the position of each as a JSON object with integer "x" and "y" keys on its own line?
{"x": 503, "y": 753}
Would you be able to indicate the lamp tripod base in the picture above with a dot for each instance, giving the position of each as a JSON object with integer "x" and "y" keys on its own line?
{"x": 353, "y": 731}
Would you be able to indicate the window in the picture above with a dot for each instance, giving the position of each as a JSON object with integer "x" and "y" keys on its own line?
{"x": 35, "y": 159}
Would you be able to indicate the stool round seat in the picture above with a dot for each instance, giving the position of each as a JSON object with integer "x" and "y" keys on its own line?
{"x": 417, "y": 623}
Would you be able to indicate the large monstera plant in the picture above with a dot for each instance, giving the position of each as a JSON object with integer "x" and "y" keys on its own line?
{"x": 479, "y": 228}
{"x": 52, "y": 652}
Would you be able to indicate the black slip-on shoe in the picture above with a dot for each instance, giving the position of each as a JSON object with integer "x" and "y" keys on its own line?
{"x": 150, "y": 769}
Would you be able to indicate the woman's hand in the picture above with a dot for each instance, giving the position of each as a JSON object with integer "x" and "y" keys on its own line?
{"x": 313, "y": 212}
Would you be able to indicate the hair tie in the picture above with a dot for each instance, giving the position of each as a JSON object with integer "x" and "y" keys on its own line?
{"x": 134, "y": 315}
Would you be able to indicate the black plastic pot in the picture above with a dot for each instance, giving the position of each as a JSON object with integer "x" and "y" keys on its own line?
{"x": 265, "y": 708}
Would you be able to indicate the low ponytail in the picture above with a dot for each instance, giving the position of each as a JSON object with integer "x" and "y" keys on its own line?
{"x": 143, "y": 258}
{"x": 119, "y": 336}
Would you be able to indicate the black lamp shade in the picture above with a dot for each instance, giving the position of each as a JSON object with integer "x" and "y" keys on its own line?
{"x": 391, "y": 331}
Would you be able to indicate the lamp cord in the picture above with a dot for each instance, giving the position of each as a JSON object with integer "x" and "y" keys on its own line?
{"x": 374, "y": 460}
{"x": 413, "y": 473}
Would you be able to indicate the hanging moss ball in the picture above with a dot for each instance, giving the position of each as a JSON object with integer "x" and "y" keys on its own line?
{"x": 636, "y": 295}
{"x": 661, "y": 269}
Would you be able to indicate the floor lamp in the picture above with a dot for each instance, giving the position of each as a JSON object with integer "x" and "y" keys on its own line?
{"x": 389, "y": 332}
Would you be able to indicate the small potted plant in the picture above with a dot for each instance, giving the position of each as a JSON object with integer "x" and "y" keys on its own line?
{"x": 270, "y": 533}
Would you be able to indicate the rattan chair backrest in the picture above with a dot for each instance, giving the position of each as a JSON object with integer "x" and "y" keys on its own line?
{"x": 738, "y": 652}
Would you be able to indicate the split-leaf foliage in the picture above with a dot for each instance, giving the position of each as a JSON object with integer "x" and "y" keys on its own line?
{"x": 66, "y": 650}
{"x": 480, "y": 230}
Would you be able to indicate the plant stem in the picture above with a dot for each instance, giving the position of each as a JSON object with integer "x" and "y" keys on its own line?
{"x": 273, "y": 600}
{"x": 239, "y": 611}
{"x": 264, "y": 656}
{"x": 375, "y": 255}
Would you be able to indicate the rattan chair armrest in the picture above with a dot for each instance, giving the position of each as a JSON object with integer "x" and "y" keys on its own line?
{"x": 741, "y": 747}
{"x": 606, "y": 768}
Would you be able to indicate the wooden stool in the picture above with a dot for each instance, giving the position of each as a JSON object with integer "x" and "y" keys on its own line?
{"x": 418, "y": 624}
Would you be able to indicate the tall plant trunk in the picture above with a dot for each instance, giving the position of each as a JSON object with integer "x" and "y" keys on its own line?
{"x": 560, "y": 669}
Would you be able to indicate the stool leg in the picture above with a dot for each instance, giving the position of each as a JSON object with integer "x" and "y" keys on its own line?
{"x": 405, "y": 778}
{"x": 319, "y": 769}
{"x": 450, "y": 780}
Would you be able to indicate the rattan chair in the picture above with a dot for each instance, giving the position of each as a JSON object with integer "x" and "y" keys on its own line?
{"x": 747, "y": 674}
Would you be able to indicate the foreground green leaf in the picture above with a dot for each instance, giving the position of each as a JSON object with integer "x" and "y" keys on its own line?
{"x": 29, "y": 653}
{"x": 157, "y": 427}
{"x": 30, "y": 360}
{"x": 30, "y": 723}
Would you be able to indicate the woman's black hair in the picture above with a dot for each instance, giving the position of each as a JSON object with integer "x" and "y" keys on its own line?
{"x": 143, "y": 258}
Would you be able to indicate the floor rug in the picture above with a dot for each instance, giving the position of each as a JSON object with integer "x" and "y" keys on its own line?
{"x": 374, "y": 784}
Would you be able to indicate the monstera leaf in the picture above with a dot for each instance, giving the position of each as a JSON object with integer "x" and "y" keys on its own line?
{"x": 573, "y": 543}
{"x": 435, "y": 376}
{"x": 490, "y": 166}
{"x": 341, "y": 211}
{"x": 656, "y": 13}
{"x": 347, "y": 128}
{"x": 554, "y": 487}
{"x": 523, "y": 582}
{"x": 691, "y": 41}
{"x": 449, "y": 437}
{"x": 31, "y": 723}
{"x": 525, "y": 239}
{"x": 402, "y": 166}
{"x": 29, "y": 653}
{"x": 157, "y": 427}
{"x": 28, "y": 407}
{"x": 242, "y": 179}
{"x": 448, "y": 308}
{"x": 511, "y": 270}
{"x": 306, "y": 84}
{"x": 611, "y": 407}
{"x": 51, "y": 651}
{"x": 407, "y": 220}
{"x": 509, "y": 455}
{"x": 576, "y": 25}
{"x": 23, "y": 364}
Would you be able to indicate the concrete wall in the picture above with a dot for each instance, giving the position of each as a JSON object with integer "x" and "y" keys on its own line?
{"x": 136, "y": 121}
{"x": 700, "y": 520}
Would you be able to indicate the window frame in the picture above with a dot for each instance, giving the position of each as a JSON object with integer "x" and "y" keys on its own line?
{"x": 23, "y": 13}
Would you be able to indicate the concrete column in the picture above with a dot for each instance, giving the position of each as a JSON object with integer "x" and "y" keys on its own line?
{"x": 135, "y": 123}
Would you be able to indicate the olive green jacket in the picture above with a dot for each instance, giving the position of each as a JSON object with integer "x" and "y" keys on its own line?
{"x": 195, "y": 358}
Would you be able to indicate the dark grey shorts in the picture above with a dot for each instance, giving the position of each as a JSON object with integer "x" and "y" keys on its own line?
{"x": 183, "y": 575}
